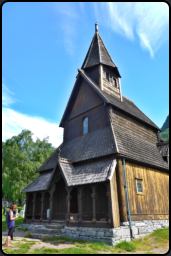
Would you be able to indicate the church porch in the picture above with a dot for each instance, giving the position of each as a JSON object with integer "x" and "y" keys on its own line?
{"x": 85, "y": 206}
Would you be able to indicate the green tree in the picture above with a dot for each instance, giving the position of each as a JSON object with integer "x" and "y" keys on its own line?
{"x": 21, "y": 157}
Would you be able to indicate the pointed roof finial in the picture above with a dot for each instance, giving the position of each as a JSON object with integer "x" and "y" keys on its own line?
{"x": 96, "y": 27}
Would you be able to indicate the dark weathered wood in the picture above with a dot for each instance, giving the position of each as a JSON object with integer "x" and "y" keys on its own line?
{"x": 34, "y": 205}
{"x": 85, "y": 100}
{"x": 42, "y": 205}
{"x": 97, "y": 119}
{"x": 80, "y": 204}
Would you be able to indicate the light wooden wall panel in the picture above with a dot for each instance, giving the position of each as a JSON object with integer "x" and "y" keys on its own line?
{"x": 114, "y": 201}
{"x": 155, "y": 199}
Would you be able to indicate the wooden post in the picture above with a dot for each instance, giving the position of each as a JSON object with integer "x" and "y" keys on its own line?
{"x": 34, "y": 203}
{"x": 80, "y": 204}
{"x": 68, "y": 207}
{"x": 109, "y": 207}
{"x": 42, "y": 200}
{"x": 51, "y": 208}
{"x": 94, "y": 195}
{"x": 121, "y": 192}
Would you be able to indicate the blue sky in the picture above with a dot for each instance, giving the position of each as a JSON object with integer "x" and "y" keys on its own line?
{"x": 43, "y": 44}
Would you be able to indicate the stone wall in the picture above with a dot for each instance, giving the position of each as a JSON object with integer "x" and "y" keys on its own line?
{"x": 111, "y": 236}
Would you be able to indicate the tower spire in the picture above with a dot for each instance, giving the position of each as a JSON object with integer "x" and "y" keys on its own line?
{"x": 96, "y": 27}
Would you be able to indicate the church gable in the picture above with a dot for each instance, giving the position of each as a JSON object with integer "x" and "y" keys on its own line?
{"x": 85, "y": 100}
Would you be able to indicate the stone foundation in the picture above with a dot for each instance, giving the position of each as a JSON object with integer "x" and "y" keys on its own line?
{"x": 111, "y": 236}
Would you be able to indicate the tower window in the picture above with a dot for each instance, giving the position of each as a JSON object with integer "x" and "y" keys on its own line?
{"x": 107, "y": 76}
{"x": 85, "y": 125}
{"x": 114, "y": 82}
{"x": 111, "y": 79}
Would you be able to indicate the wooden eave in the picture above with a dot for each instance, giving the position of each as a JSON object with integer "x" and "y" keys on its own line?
{"x": 121, "y": 156}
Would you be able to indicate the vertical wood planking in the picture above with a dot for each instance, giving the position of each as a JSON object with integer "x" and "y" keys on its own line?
{"x": 155, "y": 200}
{"x": 114, "y": 201}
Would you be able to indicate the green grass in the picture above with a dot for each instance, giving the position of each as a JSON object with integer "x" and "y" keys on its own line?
{"x": 127, "y": 246}
{"x": 75, "y": 250}
{"x": 27, "y": 235}
{"x": 142, "y": 244}
{"x": 98, "y": 246}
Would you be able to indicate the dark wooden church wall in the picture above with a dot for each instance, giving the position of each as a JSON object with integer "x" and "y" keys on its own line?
{"x": 38, "y": 205}
{"x": 86, "y": 99}
{"x": 87, "y": 203}
{"x": 97, "y": 119}
{"x": 29, "y": 213}
{"x": 101, "y": 203}
{"x": 74, "y": 201}
{"x": 46, "y": 204}
{"x": 59, "y": 201}
{"x": 93, "y": 73}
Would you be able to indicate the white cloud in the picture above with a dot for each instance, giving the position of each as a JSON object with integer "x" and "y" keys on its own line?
{"x": 7, "y": 98}
{"x": 69, "y": 20}
{"x": 149, "y": 20}
{"x": 14, "y": 122}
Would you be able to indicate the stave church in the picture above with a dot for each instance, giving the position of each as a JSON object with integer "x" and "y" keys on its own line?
{"x": 110, "y": 167}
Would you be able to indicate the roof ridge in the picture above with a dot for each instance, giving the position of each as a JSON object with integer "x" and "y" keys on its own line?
{"x": 98, "y": 46}
{"x": 89, "y": 51}
{"x": 147, "y": 117}
{"x": 127, "y": 98}
{"x": 43, "y": 164}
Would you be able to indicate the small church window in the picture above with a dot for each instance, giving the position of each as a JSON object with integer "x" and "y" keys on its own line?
{"x": 114, "y": 82}
{"x": 85, "y": 125}
{"x": 111, "y": 79}
{"x": 107, "y": 76}
{"x": 104, "y": 74}
{"x": 139, "y": 186}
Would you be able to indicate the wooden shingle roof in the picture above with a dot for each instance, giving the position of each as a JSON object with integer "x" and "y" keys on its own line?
{"x": 40, "y": 183}
{"x": 98, "y": 54}
{"x": 91, "y": 172}
{"x": 91, "y": 145}
{"x": 163, "y": 148}
{"x": 135, "y": 147}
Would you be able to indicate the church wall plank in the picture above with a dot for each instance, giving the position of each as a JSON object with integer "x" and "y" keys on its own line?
{"x": 85, "y": 100}
{"x": 153, "y": 203}
{"x": 114, "y": 201}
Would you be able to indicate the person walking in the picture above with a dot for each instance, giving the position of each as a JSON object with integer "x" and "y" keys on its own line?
{"x": 10, "y": 224}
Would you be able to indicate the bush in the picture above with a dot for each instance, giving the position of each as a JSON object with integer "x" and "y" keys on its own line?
{"x": 19, "y": 208}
